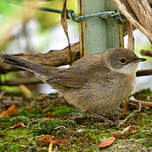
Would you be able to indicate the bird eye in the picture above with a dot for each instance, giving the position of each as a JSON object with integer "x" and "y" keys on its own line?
{"x": 123, "y": 60}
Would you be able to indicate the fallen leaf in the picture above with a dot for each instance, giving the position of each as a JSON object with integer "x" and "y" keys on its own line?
{"x": 11, "y": 110}
{"x": 107, "y": 142}
{"x": 124, "y": 134}
{"x": 57, "y": 141}
{"x": 50, "y": 115}
{"x": 48, "y": 139}
{"x": 20, "y": 124}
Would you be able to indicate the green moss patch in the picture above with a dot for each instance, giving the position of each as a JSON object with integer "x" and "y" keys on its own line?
{"x": 82, "y": 132}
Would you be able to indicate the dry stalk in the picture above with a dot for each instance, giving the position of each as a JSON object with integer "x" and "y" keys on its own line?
{"x": 132, "y": 20}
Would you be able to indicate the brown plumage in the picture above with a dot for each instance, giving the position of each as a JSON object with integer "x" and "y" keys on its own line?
{"x": 96, "y": 83}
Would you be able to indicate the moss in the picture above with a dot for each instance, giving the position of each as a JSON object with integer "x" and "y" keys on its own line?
{"x": 94, "y": 134}
{"x": 143, "y": 94}
{"x": 4, "y": 122}
{"x": 147, "y": 142}
{"x": 16, "y": 140}
{"x": 34, "y": 113}
{"x": 46, "y": 125}
{"x": 2, "y": 147}
{"x": 83, "y": 133}
{"x": 32, "y": 149}
{"x": 61, "y": 110}
{"x": 8, "y": 121}
{"x": 22, "y": 119}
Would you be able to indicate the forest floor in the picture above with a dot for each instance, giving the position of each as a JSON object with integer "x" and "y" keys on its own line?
{"x": 71, "y": 130}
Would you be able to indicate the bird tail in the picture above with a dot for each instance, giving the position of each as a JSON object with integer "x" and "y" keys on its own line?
{"x": 39, "y": 69}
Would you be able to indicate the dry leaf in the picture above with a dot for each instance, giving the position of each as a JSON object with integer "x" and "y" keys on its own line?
{"x": 11, "y": 110}
{"x": 109, "y": 141}
{"x": 19, "y": 124}
{"x": 57, "y": 141}
{"x": 124, "y": 134}
{"x": 46, "y": 139}
{"x": 65, "y": 28}
{"x": 50, "y": 115}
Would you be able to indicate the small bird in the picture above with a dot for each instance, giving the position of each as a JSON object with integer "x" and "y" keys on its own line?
{"x": 97, "y": 83}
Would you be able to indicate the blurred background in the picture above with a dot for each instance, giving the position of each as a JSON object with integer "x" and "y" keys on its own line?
{"x": 40, "y": 31}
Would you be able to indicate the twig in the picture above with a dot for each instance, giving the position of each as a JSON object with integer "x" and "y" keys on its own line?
{"x": 130, "y": 37}
{"x": 21, "y": 82}
{"x": 53, "y": 58}
{"x": 144, "y": 72}
{"x": 129, "y": 116}
{"x": 143, "y": 12}
{"x": 132, "y": 20}
{"x": 148, "y": 104}
{"x": 2, "y": 94}
{"x": 146, "y": 53}
{"x": 51, "y": 105}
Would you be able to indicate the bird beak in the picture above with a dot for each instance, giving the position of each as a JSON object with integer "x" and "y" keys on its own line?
{"x": 137, "y": 60}
{"x": 141, "y": 59}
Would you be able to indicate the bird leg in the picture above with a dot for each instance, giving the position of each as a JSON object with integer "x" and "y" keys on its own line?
{"x": 99, "y": 116}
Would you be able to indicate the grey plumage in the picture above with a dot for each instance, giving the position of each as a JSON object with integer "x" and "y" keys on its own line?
{"x": 95, "y": 83}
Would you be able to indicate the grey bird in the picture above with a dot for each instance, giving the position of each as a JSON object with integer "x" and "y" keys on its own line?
{"x": 97, "y": 83}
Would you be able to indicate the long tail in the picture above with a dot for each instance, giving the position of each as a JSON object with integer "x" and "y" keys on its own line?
{"x": 39, "y": 69}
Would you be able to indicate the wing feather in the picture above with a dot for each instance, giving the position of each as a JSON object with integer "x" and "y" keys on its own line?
{"x": 86, "y": 69}
{"x": 69, "y": 79}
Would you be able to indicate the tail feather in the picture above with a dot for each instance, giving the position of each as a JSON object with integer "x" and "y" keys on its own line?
{"x": 30, "y": 66}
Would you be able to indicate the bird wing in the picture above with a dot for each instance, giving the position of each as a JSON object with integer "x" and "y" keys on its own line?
{"x": 68, "y": 78}
{"x": 84, "y": 70}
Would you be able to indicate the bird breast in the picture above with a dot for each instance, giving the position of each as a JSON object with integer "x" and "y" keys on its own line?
{"x": 100, "y": 96}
